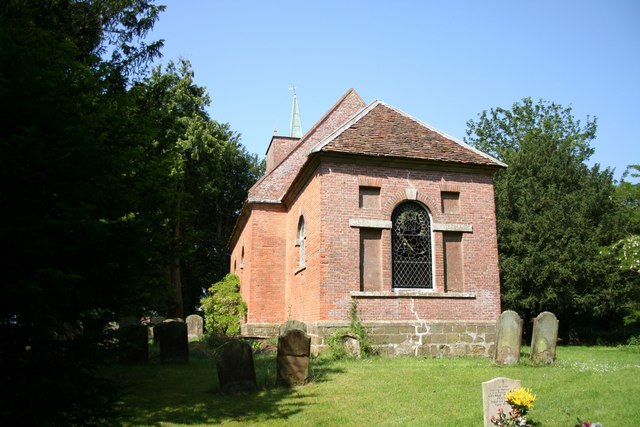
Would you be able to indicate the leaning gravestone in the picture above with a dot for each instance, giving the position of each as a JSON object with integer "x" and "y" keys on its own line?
{"x": 234, "y": 363}
{"x": 544, "y": 338}
{"x": 294, "y": 350}
{"x": 133, "y": 343}
{"x": 493, "y": 392}
{"x": 174, "y": 344}
{"x": 195, "y": 326}
{"x": 508, "y": 338}
{"x": 291, "y": 324}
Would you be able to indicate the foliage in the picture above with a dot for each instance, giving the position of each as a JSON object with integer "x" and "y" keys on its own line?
{"x": 223, "y": 307}
{"x": 627, "y": 250}
{"x": 554, "y": 213}
{"x": 206, "y": 174}
{"x": 74, "y": 214}
{"x": 335, "y": 341}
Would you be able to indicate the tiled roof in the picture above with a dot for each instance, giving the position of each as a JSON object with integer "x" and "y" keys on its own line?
{"x": 273, "y": 186}
{"x": 383, "y": 131}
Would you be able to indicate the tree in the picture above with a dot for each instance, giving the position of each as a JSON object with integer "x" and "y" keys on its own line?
{"x": 553, "y": 212}
{"x": 627, "y": 249}
{"x": 208, "y": 173}
{"x": 73, "y": 224}
{"x": 223, "y": 307}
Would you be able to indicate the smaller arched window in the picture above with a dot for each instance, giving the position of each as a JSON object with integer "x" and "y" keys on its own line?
{"x": 300, "y": 242}
{"x": 242, "y": 258}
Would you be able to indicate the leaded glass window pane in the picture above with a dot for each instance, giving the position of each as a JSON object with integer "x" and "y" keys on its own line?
{"x": 411, "y": 247}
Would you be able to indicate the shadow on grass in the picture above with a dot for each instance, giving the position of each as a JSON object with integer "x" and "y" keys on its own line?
{"x": 155, "y": 393}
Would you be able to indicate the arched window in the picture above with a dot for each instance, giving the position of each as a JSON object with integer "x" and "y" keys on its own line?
{"x": 412, "y": 260}
{"x": 300, "y": 242}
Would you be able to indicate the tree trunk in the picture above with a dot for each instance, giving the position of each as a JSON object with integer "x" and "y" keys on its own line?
{"x": 176, "y": 274}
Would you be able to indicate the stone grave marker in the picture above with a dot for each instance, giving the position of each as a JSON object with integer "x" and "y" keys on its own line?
{"x": 508, "y": 339}
{"x": 493, "y": 392}
{"x": 291, "y": 324}
{"x": 174, "y": 344}
{"x": 133, "y": 343}
{"x": 234, "y": 363}
{"x": 351, "y": 344}
{"x": 195, "y": 326}
{"x": 294, "y": 350}
{"x": 544, "y": 338}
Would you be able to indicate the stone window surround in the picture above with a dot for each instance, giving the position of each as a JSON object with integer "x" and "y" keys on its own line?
{"x": 382, "y": 223}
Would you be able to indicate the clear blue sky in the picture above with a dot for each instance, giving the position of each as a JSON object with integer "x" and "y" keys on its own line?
{"x": 442, "y": 62}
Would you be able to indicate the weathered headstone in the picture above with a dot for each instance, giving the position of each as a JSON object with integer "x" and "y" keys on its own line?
{"x": 544, "y": 338}
{"x": 493, "y": 392}
{"x": 174, "y": 344}
{"x": 133, "y": 342}
{"x": 291, "y": 324}
{"x": 508, "y": 338}
{"x": 351, "y": 344}
{"x": 195, "y": 326}
{"x": 294, "y": 350}
{"x": 234, "y": 363}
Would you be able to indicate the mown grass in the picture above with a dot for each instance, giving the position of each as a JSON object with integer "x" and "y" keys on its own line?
{"x": 593, "y": 383}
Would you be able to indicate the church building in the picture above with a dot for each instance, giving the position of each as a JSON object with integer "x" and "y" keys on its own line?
{"x": 374, "y": 207}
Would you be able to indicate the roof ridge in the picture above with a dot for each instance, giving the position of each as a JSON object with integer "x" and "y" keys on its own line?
{"x": 354, "y": 119}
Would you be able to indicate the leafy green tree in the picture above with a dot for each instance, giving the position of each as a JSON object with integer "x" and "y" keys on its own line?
{"x": 554, "y": 213}
{"x": 627, "y": 249}
{"x": 223, "y": 307}
{"x": 208, "y": 173}
{"x": 73, "y": 225}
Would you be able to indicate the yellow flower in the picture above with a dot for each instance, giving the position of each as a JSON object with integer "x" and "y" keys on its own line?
{"x": 521, "y": 398}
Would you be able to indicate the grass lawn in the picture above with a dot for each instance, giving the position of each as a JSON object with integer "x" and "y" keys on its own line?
{"x": 593, "y": 383}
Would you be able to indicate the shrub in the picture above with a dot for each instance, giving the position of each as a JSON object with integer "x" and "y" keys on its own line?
{"x": 223, "y": 307}
{"x": 335, "y": 341}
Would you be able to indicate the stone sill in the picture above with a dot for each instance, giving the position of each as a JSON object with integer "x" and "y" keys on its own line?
{"x": 412, "y": 294}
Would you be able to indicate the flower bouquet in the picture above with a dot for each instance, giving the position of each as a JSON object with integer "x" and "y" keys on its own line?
{"x": 521, "y": 401}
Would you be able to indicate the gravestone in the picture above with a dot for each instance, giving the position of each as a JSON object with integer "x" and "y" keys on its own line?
{"x": 174, "y": 344}
{"x": 133, "y": 343}
{"x": 508, "y": 338}
{"x": 294, "y": 350}
{"x": 544, "y": 338}
{"x": 234, "y": 363}
{"x": 195, "y": 326}
{"x": 351, "y": 344}
{"x": 493, "y": 392}
{"x": 291, "y": 324}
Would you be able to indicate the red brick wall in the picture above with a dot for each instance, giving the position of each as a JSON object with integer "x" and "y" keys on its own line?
{"x": 302, "y": 297}
{"x": 279, "y": 148}
{"x": 340, "y": 265}
{"x": 263, "y": 274}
